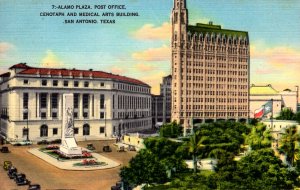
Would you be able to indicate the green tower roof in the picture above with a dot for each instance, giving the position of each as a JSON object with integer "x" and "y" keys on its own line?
{"x": 210, "y": 28}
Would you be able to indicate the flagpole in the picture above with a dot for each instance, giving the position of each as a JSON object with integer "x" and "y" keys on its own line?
{"x": 272, "y": 114}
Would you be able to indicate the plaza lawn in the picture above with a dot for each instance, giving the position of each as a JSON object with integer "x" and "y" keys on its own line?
{"x": 55, "y": 155}
{"x": 80, "y": 164}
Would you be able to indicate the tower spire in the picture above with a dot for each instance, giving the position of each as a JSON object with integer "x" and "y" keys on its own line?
{"x": 179, "y": 40}
{"x": 179, "y": 4}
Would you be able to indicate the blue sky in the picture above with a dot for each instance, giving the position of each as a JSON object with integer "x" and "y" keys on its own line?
{"x": 139, "y": 46}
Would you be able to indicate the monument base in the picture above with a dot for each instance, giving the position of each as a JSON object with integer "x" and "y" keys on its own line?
{"x": 69, "y": 147}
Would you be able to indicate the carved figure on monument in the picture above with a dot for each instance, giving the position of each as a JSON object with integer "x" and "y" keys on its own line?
{"x": 68, "y": 144}
{"x": 69, "y": 130}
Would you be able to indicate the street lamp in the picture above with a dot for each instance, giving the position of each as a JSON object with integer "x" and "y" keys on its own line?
{"x": 27, "y": 111}
{"x": 121, "y": 128}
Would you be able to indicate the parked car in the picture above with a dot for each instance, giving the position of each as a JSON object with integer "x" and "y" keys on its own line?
{"x": 107, "y": 149}
{"x": 115, "y": 188}
{"x": 90, "y": 147}
{"x": 121, "y": 149}
{"x": 25, "y": 142}
{"x": 131, "y": 148}
{"x": 56, "y": 141}
{"x": 4, "y": 149}
{"x": 21, "y": 180}
{"x": 12, "y": 171}
{"x": 19, "y": 175}
{"x": 7, "y": 165}
{"x": 21, "y": 143}
{"x": 43, "y": 142}
{"x": 34, "y": 187}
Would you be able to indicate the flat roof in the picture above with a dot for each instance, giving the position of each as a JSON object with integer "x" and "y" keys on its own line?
{"x": 217, "y": 29}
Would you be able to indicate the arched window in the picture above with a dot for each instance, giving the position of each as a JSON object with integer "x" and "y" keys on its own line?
{"x": 86, "y": 129}
{"x": 44, "y": 131}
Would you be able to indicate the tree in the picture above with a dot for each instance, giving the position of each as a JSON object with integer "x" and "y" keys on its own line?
{"x": 170, "y": 130}
{"x": 154, "y": 164}
{"x": 261, "y": 169}
{"x": 297, "y": 117}
{"x": 289, "y": 144}
{"x": 195, "y": 143}
{"x": 146, "y": 168}
{"x": 286, "y": 114}
{"x": 259, "y": 137}
{"x": 166, "y": 151}
{"x": 223, "y": 135}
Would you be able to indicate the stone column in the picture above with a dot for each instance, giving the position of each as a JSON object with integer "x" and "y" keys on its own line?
{"x": 91, "y": 106}
{"x": 37, "y": 111}
{"x": 48, "y": 105}
{"x": 80, "y": 110}
{"x": 59, "y": 110}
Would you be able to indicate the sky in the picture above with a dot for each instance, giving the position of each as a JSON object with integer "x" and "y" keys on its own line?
{"x": 139, "y": 47}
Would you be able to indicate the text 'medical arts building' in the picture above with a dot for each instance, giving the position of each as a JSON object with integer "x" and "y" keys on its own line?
{"x": 105, "y": 104}
{"x": 210, "y": 71}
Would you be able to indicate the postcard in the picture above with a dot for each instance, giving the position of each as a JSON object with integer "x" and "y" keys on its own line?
{"x": 85, "y": 82}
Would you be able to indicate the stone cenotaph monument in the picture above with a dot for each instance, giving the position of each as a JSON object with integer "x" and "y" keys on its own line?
{"x": 68, "y": 143}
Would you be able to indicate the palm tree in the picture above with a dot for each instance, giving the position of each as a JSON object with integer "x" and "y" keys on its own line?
{"x": 289, "y": 144}
{"x": 194, "y": 145}
{"x": 259, "y": 137}
{"x": 217, "y": 153}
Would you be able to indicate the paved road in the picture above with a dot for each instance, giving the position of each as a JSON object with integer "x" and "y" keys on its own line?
{"x": 50, "y": 177}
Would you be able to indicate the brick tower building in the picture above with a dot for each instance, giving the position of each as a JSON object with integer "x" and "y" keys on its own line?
{"x": 210, "y": 71}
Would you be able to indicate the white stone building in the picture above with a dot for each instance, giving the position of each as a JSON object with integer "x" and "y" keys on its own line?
{"x": 277, "y": 128}
{"x": 104, "y": 104}
{"x": 261, "y": 94}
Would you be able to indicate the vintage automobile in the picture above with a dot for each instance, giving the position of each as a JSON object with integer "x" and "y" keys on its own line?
{"x": 21, "y": 180}
{"x": 121, "y": 149}
{"x": 43, "y": 142}
{"x": 107, "y": 149}
{"x": 90, "y": 146}
{"x": 131, "y": 148}
{"x": 34, "y": 187}
{"x": 7, "y": 165}
{"x": 119, "y": 185}
{"x": 115, "y": 188}
{"x": 12, "y": 171}
{"x": 19, "y": 175}
{"x": 21, "y": 143}
{"x": 4, "y": 149}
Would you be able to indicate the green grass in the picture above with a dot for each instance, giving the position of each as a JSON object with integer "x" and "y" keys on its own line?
{"x": 97, "y": 164}
{"x": 206, "y": 173}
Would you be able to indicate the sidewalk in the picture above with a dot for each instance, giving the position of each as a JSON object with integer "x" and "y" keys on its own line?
{"x": 68, "y": 164}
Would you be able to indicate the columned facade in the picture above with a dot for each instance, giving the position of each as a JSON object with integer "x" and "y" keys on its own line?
{"x": 102, "y": 103}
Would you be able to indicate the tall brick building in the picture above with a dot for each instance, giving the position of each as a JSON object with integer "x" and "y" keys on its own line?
{"x": 210, "y": 71}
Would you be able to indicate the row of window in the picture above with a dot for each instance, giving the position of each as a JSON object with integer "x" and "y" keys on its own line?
{"x": 66, "y": 83}
{"x": 217, "y": 107}
{"x": 219, "y": 65}
{"x": 132, "y": 88}
{"x": 44, "y": 130}
{"x": 123, "y": 127}
{"x": 214, "y": 114}
{"x": 133, "y": 102}
{"x": 86, "y": 84}
{"x": 135, "y": 114}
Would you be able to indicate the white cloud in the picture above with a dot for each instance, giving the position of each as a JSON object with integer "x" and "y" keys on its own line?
{"x": 51, "y": 60}
{"x": 153, "y": 54}
{"x": 150, "y": 32}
